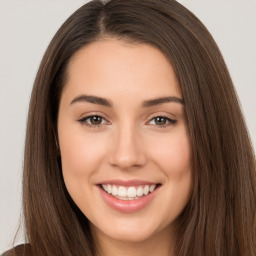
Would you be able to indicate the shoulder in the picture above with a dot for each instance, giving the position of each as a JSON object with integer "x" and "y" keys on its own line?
{"x": 19, "y": 250}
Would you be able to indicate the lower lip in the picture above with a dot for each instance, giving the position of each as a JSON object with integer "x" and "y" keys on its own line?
{"x": 127, "y": 206}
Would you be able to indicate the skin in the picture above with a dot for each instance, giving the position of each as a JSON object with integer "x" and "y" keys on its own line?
{"x": 128, "y": 143}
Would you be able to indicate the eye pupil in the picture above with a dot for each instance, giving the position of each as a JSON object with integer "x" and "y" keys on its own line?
{"x": 96, "y": 120}
{"x": 160, "y": 120}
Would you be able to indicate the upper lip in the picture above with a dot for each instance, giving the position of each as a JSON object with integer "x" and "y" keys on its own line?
{"x": 133, "y": 182}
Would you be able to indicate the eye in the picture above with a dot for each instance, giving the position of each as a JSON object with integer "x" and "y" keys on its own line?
{"x": 93, "y": 121}
{"x": 162, "y": 121}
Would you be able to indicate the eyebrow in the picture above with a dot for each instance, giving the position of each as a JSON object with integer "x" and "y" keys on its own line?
{"x": 162, "y": 100}
{"x": 92, "y": 99}
{"x": 106, "y": 102}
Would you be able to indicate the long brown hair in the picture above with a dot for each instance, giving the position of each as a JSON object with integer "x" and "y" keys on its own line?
{"x": 220, "y": 217}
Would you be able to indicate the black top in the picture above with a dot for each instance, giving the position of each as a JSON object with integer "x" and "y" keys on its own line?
{"x": 19, "y": 250}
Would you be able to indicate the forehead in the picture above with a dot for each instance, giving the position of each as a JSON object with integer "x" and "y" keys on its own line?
{"x": 115, "y": 65}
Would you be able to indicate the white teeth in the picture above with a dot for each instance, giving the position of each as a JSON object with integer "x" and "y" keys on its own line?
{"x": 109, "y": 188}
{"x": 139, "y": 191}
{"x": 146, "y": 190}
{"x": 128, "y": 193}
{"x": 131, "y": 192}
{"x": 114, "y": 191}
{"x": 122, "y": 191}
{"x": 127, "y": 198}
{"x": 152, "y": 188}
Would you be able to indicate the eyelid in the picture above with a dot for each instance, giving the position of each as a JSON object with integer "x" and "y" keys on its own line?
{"x": 162, "y": 114}
{"x": 171, "y": 121}
{"x": 85, "y": 116}
{"x": 170, "y": 118}
{"x": 93, "y": 113}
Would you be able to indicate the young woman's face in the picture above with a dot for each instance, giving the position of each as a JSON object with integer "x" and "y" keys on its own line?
{"x": 125, "y": 148}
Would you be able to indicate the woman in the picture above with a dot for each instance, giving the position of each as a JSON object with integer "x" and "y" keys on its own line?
{"x": 135, "y": 142}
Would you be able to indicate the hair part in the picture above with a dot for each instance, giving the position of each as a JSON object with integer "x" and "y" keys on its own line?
{"x": 220, "y": 217}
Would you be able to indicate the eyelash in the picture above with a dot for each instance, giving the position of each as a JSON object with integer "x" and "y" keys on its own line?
{"x": 168, "y": 121}
{"x": 84, "y": 121}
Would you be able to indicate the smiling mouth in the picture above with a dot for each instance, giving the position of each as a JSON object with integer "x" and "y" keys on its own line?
{"x": 130, "y": 192}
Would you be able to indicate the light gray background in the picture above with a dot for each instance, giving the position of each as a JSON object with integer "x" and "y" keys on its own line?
{"x": 26, "y": 27}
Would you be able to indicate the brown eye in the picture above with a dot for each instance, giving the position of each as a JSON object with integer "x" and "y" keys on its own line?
{"x": 95, "y": 120}
{"x": 162, "y": 121}
{"x": 92, "y": 121}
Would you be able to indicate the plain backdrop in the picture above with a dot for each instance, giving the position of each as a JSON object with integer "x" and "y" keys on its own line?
{"x": 27, "y": 26}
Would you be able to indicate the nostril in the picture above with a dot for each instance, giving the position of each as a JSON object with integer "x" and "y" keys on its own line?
{"x": 126, "y": 160}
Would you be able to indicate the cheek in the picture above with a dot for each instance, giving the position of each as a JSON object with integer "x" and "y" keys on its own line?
{"x": 81, "y": 157}
{"x": 173, "y": 154}
{"x": 174, "y": 160}
{"x": 80, "y": 153}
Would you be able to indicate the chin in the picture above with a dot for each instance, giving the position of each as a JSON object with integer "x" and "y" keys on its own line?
{"x": 131, "y": 236}
{"x": 129, "y": 231}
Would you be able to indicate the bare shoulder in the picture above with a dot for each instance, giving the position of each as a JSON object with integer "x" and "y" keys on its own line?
{"x": 19, "y": 250}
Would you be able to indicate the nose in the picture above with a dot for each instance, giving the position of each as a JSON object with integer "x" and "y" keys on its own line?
{"x": 127, "y": 149}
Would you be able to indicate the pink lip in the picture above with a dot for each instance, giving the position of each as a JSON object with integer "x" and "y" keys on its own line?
{"x": 127, "y": 206}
